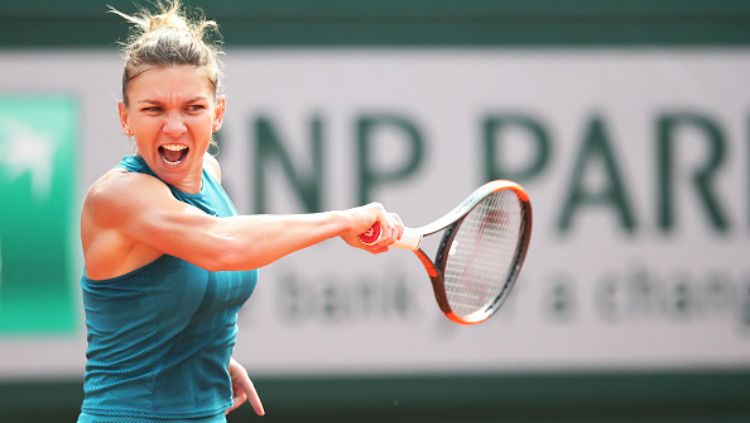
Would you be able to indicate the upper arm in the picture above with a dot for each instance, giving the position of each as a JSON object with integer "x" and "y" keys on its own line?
{"x": 141, "y": 209}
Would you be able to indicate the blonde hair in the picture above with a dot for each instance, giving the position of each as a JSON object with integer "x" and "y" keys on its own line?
{"x": 170, "y": 37}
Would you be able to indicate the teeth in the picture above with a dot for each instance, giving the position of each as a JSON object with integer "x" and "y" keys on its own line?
{"x": 174, "y": 147}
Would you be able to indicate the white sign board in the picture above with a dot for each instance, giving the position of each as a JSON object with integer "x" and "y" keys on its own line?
{"x": 636, "y": 162}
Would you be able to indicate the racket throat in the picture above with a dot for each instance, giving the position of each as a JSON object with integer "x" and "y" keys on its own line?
{"x": 411, "y": 239}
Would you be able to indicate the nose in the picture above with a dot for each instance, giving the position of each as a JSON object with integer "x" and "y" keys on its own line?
{"x": 174, "y": 126}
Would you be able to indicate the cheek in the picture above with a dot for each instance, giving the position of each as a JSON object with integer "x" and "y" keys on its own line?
{"x": 203, "y": 126}
{"x": 148, "y": 127}
{"x": 146, "y": 132}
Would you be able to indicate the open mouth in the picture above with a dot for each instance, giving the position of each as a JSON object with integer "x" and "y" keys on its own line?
{"x": 173, "y": 154}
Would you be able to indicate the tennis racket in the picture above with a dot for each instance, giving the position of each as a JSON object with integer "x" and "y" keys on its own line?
{"x": 483, "y": 247}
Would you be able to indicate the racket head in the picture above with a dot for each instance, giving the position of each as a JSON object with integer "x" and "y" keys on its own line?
{"x": 482, "y": 252}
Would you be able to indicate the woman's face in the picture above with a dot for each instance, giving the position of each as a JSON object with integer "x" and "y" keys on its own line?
{"x": 172, "y": 113}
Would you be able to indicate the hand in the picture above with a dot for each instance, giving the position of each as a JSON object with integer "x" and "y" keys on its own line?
{"x": 362, "y": 218}
{"x": 243, "y": 389}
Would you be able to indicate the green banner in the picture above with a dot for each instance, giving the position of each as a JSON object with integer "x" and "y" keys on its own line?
{"x": 38, "y": 138}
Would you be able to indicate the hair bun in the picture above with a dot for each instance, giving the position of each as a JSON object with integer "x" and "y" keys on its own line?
{"x": 169, "y": 20}
{"x": 168, "y": 16}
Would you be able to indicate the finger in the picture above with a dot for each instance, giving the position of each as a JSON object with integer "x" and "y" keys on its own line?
{"x": 254, "y": 398}
{"x": 386, "y": 232}
{"x": 400, "y": 226}
{"x": 239, "y": 398}
{"x": 377, "y": 212}
{"x": 394, "y": 224}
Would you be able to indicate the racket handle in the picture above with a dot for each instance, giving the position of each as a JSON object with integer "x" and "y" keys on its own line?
{"x": 410, "y": 239}
{"x": 372, "y": 235}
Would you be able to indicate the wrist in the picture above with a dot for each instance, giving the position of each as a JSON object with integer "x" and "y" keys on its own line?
{"x": 341, "y": 222}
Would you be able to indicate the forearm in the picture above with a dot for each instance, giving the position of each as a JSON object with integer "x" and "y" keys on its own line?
{"x": 256, "y": 240}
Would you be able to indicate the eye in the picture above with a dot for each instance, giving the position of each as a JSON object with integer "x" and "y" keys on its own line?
{"x": 196, "y": 107}
{"x": 152, "y": 109}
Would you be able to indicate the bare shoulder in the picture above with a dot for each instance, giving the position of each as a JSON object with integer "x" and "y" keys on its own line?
{"x": 114, "y": 204}
{"x": 212, "y": 165}
{"x": 118, "y": 192}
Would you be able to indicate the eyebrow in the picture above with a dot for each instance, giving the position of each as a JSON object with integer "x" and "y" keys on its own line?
{"x": 192, "y": 100}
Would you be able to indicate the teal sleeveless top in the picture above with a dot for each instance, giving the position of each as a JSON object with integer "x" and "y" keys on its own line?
{"x": 160, "y": 337}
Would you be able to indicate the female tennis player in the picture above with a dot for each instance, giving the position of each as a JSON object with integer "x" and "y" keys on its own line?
{"x": 168, "y": 262}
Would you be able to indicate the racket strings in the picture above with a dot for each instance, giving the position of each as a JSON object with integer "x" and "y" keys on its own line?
{"x": 482, "y": 255}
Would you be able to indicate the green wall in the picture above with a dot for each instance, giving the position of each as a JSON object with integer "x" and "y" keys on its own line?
{"x": 687, "y": 397}
{"x": 266, "y": 23}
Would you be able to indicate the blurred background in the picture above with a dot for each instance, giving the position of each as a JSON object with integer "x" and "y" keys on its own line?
{"x": 627, "y": 122}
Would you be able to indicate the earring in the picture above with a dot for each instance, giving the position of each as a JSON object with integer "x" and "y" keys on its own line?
{"x": 128, "y": 132}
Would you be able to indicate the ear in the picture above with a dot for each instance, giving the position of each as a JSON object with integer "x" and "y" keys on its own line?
{"x": 221, "y": 106}
{"x": 122, "y": 111}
